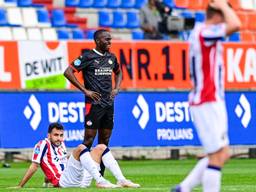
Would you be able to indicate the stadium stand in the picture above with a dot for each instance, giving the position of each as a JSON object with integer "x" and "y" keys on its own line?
{"x": 19, "y": 33}
{"x": 126, "y": 4}
{"x": 112, "y": 4}
{"x": 3, "y": 18}
{"x": 71, "y": 3}
{"x": 6, "y": 33}
{"x": 34, "y": 34}
{"x": 235, "y": 37}
{"x": 63, "y": 34}
{"x": 78, "y": 34}
{"x": 85, "y": 3}
{"x": 77, "y": 19}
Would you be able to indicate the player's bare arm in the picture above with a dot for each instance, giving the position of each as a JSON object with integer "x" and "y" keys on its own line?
{"x": 69, "y": 74}
{"x": 118, "y": 80}
{"x": 231, "y": 19}
{"x": 30, "y": 172}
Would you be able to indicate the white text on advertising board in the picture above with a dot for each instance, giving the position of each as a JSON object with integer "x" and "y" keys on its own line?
{"x": 66, "y": 112}
{"x": 234, "y": 71}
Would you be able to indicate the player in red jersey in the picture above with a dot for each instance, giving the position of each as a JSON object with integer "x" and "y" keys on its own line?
{"x": 206, "y": 100}
{"x": 77, "y": 171}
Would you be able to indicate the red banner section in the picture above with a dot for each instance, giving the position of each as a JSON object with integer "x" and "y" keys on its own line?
{"x": 9, "y": 66}
{"x": 146, "y": 64}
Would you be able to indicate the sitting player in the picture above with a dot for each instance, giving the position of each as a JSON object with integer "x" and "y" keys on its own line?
{"x": 77, "y": 171}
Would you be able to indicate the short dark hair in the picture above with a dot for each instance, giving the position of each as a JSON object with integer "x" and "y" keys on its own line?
{"x": 211, "y": 11}
{"x": 97, "y": 33}
{"x": 57, "y": 126}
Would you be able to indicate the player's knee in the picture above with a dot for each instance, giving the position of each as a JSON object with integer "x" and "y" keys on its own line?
{"x": 223, "y": 157}
{"x": 226, "y": 156}
{"x": 101, "y": 148}
{"x": 80, "y": 148}
{"x": 77, "y": 151}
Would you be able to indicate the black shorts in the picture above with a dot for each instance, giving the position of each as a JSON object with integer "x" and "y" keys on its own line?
{"x": 97, "y": 117}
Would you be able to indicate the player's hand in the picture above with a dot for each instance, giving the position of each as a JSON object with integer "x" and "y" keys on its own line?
{"x": 218, "y": 4}
{"x": 93, "y": 95}
{"x": 114, "y": 92}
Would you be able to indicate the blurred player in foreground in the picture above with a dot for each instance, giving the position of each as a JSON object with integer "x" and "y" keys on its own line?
{"x": 206, "y": 100}
{"x": 77, "y": 171}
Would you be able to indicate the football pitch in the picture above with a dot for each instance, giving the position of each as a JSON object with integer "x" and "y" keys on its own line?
{"x": 153, "y": 175}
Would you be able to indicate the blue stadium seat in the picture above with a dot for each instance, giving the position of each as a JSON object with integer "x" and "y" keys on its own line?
{"x": 113, "y": 4}
{"x": 127, "y": 4}
{"x": 59, "y": 20}
{"x": 10, "y": 1}
{"x": 133, "y": 19}
{"x": 27, "y": 3}
{"x": 105, "y": 18}
{"x": 43, "y": 16}
{"x": 187, "y": 14}
{"x": 78, "y": 34}
{"x": 119, "y": 19}
{"x": 85, "y": 3}
{"x": 3, "y": 17}
{"x": 184, "y": 35}
{"x": 169, "y": 3}
{"x": 71, "y": 3}
{"x": 137, "y": 35}
{"x": 235, "y": 37}
{"x": 140, "y": 3}
{"x": 63, "y": 34}
{"x": 89, "y": 34}
{"x": 99, "y": 4}
{"x": 200, "y": 16}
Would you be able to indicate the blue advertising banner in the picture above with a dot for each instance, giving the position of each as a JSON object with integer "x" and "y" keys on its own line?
{"x": 141, "y": 118}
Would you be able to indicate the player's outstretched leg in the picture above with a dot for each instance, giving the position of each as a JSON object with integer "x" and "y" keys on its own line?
{"x": 194, "y": 178}
{"x": 110, "y": 163}
{"x": 83, "y": 154}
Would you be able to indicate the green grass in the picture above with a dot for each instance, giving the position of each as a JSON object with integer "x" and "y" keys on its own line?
{"x": 154, "y": 176}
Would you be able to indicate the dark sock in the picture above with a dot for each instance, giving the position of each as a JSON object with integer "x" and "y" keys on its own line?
{"x": 102, "y": 168}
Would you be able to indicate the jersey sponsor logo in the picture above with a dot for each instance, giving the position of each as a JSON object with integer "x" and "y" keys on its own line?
{"x": 96, "y": 61}
{"x": 110, "y": 61}
{"x": 89, "y": 123}
{"x": 103, "y": 71}
{"x": 37, "y": 150}
{"x": 77, "y": 62}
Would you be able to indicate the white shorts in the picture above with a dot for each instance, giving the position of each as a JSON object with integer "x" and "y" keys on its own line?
{"x": 74, "y": 175}
{"x": 210, "y": 120}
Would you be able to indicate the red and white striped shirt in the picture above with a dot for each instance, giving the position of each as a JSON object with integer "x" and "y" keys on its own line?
{"x": 206, "y": 63}
{"x": 52, "y": 159}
